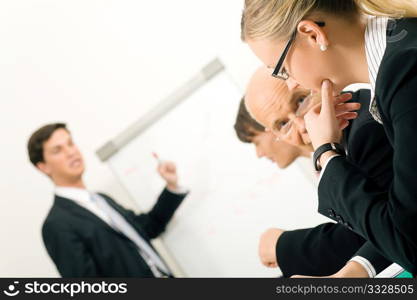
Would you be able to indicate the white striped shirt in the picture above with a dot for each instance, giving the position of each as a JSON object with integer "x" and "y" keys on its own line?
{"x": 375, "y": 45}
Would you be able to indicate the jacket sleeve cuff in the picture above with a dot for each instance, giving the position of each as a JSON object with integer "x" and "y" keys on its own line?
{"x": 325, "y": 165}
{"x": 180, "y": 190}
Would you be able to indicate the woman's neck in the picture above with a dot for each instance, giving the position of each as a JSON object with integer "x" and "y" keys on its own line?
{"x": 356, "y": 53}
{"x": 348, "y": 36}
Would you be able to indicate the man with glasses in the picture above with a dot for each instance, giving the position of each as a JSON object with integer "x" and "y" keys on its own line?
{"x": 266, "y": 146}
{"x": 323, "y": 249}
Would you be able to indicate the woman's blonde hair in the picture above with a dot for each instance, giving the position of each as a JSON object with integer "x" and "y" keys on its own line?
{"x": 277, "y": 19}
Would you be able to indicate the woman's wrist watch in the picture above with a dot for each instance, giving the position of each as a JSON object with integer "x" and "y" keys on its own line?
{"x": 336, "y": 147}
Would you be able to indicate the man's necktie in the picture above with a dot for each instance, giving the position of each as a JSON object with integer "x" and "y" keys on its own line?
{"x": 119, "y": 223}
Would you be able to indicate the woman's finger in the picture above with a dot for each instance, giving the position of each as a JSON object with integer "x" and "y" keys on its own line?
{"x": 347, "y": 107}
{"x": 342, "y": 98}
{"x": 347, "y": 116}
{"x": 343, "y": 124}
{"x": 327, "y": 103}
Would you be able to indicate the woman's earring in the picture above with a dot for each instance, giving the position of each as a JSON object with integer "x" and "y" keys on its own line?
{"x": 323, "y": 47}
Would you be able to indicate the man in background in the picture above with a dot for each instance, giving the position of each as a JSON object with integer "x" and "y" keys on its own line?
{"x": 88, "y": 234}
{"x": 326, "y": 248}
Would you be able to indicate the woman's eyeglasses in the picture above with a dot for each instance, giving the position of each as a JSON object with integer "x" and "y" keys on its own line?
{"x": 279, "y": 71}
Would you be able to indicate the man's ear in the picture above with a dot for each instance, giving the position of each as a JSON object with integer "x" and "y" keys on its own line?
{"x": 44, "y": 168}
{"x": 314, "y": 34}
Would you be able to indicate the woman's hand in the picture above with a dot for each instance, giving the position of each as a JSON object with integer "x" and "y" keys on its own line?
{"x": 326, "y": 120}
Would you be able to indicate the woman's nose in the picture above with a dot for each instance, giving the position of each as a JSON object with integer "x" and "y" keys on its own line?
{"x": 291, "y": 83}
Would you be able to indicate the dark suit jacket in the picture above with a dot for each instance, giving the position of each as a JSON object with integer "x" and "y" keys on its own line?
{"x": 385, "y": 217}
{"x": 324, "y": 249}
{"x": 83, "y": 245}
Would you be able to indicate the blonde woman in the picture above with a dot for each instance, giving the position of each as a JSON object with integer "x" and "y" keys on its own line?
{"x": 327, "y": 45}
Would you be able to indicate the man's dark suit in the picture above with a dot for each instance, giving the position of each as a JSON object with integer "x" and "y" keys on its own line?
{"x": 386, "y": 217}
{"x": 82, "y": 245}
{"x": 324, "y": 249}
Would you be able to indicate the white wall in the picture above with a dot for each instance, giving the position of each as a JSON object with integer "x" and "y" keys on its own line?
{"x": 97, "y": 65}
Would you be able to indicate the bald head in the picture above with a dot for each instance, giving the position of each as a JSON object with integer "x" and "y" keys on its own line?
{"x": 265, "y": 96}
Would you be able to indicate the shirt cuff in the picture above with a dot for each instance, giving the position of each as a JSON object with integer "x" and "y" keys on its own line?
{"x": 365, "y": 264}
{"x": 325, "y": 165}
{"x": 180, "y": 190}
{"x": 390, "y": 272}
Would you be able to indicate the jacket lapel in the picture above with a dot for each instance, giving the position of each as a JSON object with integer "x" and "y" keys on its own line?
{"x": 128, "y": 218}
{"x": 74, "y": 208}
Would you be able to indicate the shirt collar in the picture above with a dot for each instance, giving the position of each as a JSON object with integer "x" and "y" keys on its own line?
{"x": 375, "y": 45}
{"x": 75, "y": 194}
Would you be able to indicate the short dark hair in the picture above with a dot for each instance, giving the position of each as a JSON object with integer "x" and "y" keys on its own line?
{"x": 245, "y": 126}
{"x": 38, "y": 139}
